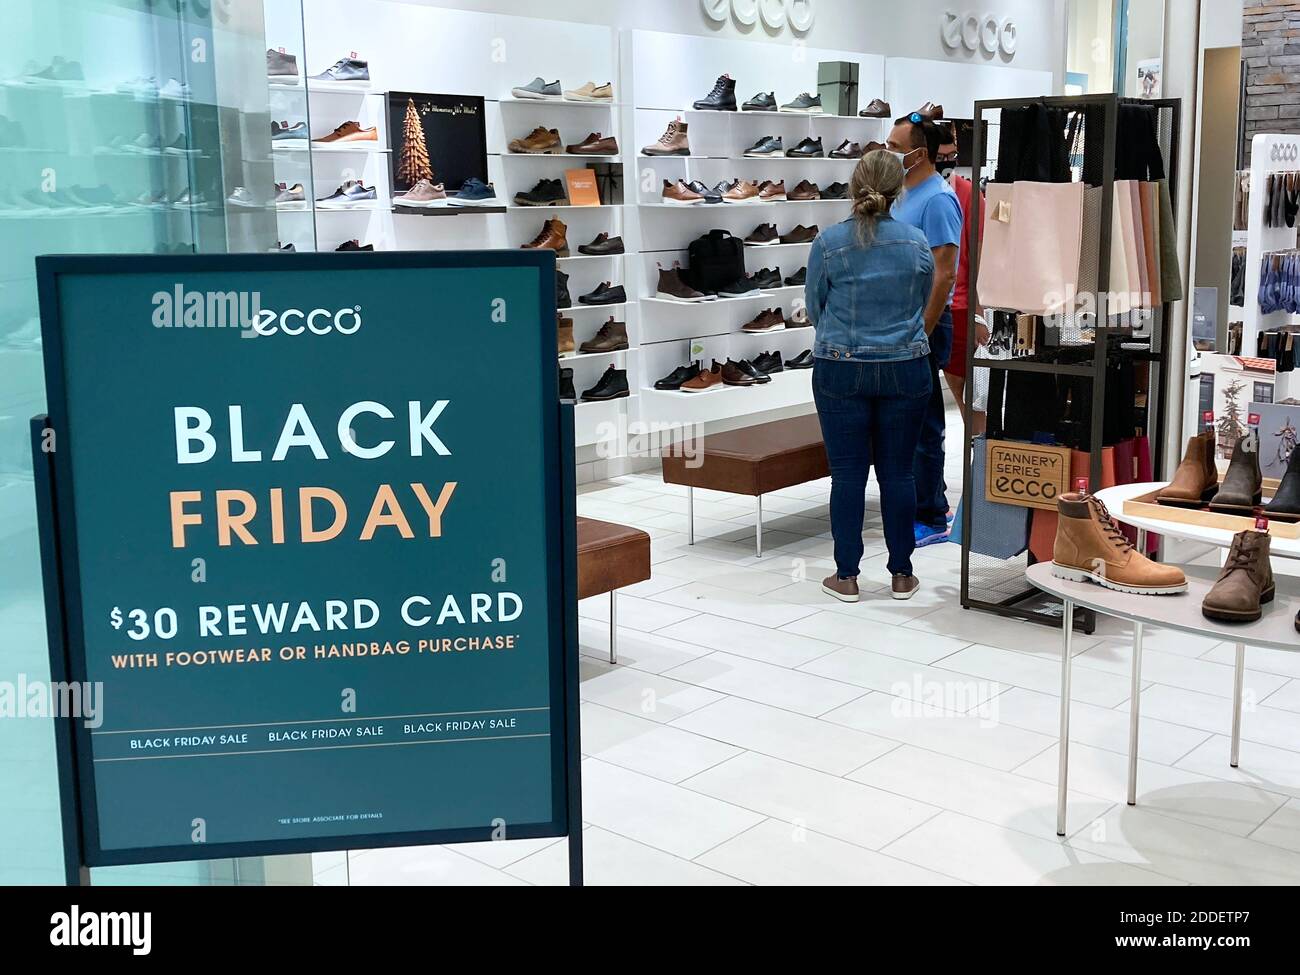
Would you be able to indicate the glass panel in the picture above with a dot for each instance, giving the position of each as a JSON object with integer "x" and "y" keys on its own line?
{"x": 1090, "y": 47}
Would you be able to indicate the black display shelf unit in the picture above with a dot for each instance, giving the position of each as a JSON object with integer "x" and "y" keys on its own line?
{"x": 999, "y": 585}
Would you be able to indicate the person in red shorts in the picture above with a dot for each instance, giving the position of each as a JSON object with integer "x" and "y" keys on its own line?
{"x": 955, "y": 371}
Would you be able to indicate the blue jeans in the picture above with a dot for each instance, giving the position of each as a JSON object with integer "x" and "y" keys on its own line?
{"x": 927, "y": 466}
{"x": 871, "y": 412}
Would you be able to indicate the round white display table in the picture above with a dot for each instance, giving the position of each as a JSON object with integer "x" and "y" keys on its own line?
{"x": 1114, "y": 497}
{"x": 1275, "y": 630}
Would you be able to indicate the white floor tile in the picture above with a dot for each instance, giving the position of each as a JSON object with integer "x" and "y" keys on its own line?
{"x": 905, "y": 679}
{"x": 1281, "y": 662}
{"x": 748, "y": 640}
{"x": 776, "y": 853}
{"x": 693, "y": 568}
{"x": 895, "y": 641}
{"x": 1269, "y": 767}
{"x": 698, "y": 597}
{"x": 1025, "y": 670}
{"x": 646, "y": 615}
{"x": 424, "y": 866}
{"x": 652, "y": 748}
{"x": 641, "y": 651}
{"x": 1271, "y": 726}
{"x": 651, "y": 696}
{"x": 1176, "y": 670}
{"x": 1282, "y": 828}
{"x": 610, "y": 860}
{"x": 753, "y": 680}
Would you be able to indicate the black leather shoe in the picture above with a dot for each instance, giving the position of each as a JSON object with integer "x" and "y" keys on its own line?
{"x": 751, "y": 370}
{"x": 768, "y": 277}
{"x": 604, "y": 295}
{"x": 562, "y": 298}
{"x": 566, "y": 384}
{"x": 836, "y": 191}
{"x": 764, "y": 101}
{"x": 711, "y": 194}
{"x": 738, "y": 289}
{"x": 799, "y": 278}
{"x": 1240, "y": 488}
{"x": 682, "y": 374}
{"x": 1286, "y": 500}
{"x": 804, "y": 360}
{"x": 547, "y": 192}
{"x": 768, "y": 362}
{"x": 768, "y": 145}
{"x": 612, "y": 385}
{"x": 721, "y": 99}
{"x": 807, "y": 149}
{"x": 603, "y": 245}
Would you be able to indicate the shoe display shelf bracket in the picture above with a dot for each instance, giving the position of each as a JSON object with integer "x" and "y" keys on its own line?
{"x": 998, "y": 585}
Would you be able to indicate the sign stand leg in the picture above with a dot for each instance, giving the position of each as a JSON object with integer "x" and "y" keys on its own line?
{"x": 572, "y": 711}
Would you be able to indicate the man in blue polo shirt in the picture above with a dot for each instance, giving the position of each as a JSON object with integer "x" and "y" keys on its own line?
{"x": 930, "y": 205}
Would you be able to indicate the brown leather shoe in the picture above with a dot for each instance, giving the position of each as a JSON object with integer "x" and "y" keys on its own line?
{"x": 845, "y": 590}
{"x": 1244, "y": 583}
{"x": 877, "y": 109}
{"x": 742, "y": 191}
{"x": 672, "y": 143}
{"x": 798, "y": 319}
{"x": 768, "y": 320}
{"x": 677, "y": 193}
{"x": 564, "y": 334}
{"x": 1090, "y": 547}
{"x": 804, "y": 191}
{"x": 612, "y": 337}
{"x": 552, "y": 236}
{"x": 706, "y": 380}
{"x": 931, "y": 111}
{"x": 800, "y": 235}
{"x": 595, "y": 144}
{"x": 846, "y": 150}
{"x": 733, "y": 375}
{"x": 349, "y": 132}
{"x": 539, "y": 141}
{"x": 904, "y": 586}
{"x": 873, "y": 146}
{"x": 1197, "y": 478}
{"x": 763, "y": 235}
{"x": 770, "y": 192}
{"x": 672, "y": 286}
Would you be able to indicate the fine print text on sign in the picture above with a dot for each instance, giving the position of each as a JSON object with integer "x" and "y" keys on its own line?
{"x": 1027, "y": 475}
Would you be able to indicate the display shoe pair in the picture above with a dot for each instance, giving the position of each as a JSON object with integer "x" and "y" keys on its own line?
{"x": 1241, "y": 489}
{"x": 1285, "y": 505}
{"x": 1197, "y": 479}
{"x": 1091, "y": 548}
{"x": 1244, "y": 583}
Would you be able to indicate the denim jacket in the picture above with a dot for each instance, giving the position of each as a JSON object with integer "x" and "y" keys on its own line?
{"x": 868, "y": 302}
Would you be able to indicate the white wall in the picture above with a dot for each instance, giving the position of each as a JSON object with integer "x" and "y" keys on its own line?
{"x": 888, "y": 27}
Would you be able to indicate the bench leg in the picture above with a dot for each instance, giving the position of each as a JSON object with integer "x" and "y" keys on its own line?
{"x": 1237, "y": 681}
{"x": 690, "y": 516}
{"x": 1063, "y": 744}
{"x": 613, "y": 626}
{"x": 758, "y": 529}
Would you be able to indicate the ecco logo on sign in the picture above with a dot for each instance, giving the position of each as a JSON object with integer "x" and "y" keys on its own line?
{"x": 974, "y": 31}
{"x": 182, "y": 308}
{"x": 1284, "y": 152}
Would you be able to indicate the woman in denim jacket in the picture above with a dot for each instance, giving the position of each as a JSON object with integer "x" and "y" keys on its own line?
{"x": 868, "y": 281}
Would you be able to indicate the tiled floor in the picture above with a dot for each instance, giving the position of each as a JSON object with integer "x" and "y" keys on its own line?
{"x": 755, "y": 731}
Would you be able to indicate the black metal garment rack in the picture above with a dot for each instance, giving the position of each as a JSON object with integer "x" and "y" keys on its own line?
{"x": 998, "y": 585}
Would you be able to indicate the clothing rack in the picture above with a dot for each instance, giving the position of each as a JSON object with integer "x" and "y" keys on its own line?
{"x": 1085, "y": 353}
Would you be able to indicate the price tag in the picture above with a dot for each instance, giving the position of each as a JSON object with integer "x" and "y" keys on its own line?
{"x": 1261, "y": 523}
{"x": 1253, "y": 419}
{"x": 1081, "y": 485}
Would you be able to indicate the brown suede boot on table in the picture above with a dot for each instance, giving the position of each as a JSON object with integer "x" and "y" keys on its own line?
{"x": 1245, "y": 582}
{"x": 1091, "y": 547}
{"x": 1242, "y": 486}
{"x": 1197, "y": 478}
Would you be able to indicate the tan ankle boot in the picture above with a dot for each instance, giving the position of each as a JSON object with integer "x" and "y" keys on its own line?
{"x": 1197, "y": 478}
{"x": 1245, "y": 582}
{"x": 1089, "y": 546}
{"x": 564, "y": 334}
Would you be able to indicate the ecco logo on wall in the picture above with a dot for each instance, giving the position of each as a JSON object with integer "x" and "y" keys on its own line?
{"x": 974, "y": 32}
{"x": 1284, "y": 152}
{"x": 180, "y": 308}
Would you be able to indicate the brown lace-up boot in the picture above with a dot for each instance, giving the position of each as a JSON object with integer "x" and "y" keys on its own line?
{"x": 1245, "y": 582}
{"x": 1091, "y": 547}
{"x": 552, "y": 236}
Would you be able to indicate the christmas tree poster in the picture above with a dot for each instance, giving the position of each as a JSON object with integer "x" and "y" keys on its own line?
{"x": 439, "y": 138}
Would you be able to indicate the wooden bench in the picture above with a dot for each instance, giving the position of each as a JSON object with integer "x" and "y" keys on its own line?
{"x": 610, "y": 557}
{"x": 752, "y": 461}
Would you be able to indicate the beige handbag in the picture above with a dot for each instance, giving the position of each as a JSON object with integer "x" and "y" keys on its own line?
{"x": 1033, "y": 233}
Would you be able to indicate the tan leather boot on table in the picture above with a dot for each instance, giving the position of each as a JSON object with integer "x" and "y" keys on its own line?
{"x": 1245, "y": 582}
{"x": 1091, "y": 547}
{"x": 1197, "y": 478}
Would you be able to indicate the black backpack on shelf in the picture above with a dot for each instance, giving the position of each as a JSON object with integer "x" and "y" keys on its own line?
{"x": 714, "y": 260}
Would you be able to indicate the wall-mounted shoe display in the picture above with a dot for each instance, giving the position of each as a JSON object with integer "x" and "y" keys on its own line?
{"x": 753, "y": 372}
{"x": 553, "y": 236}
{"x": 546, "y": 192}
{"x": 1245, "y": 582}
{"x": 348, "y": 131}
{"x": 241, "y": 196}
{"x": 596, "y": 144}
{"x": 768, "y": 277}
{"x": 739, "y": 288}
{"x": 733, "y": 375}
{"x": 539, "y": 89}
{"x": 296, "y": 193}
{"x": 563, "y": 334}
{"x": 800, "y": 278}
{"x": 602, "y": 245}
{"x": 705, "y": 380}
{"x": 1197, "y": 479}
{"x": 677, "y": 193}
{"x": 930, "y": 111}
{"x": 673, "y": 142}
{"x": 612, "y": 385}
{"x": 537, "y": 142}
{"x": 721, "y": 99}
{"x": 804, "y": 360}
{"x": 804, "y": 104}
{"x": 768, "y": 145}
{"x": 351, "y": 69}
{"x": 611, "y": 337}
{"x": 604, "y": 294}
{"x": 808, "y": 148}
{"x": 764, "y": 101}
{"x": 836, "y": 191}
{"x": 591, "y": 92}
{"x": 878, "y": 108}
{"x": 742, "y": 191}
{"x": 1091, "y": 547}
{"x": 1241, "y": 488}
{"x": 675, "y": 379}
